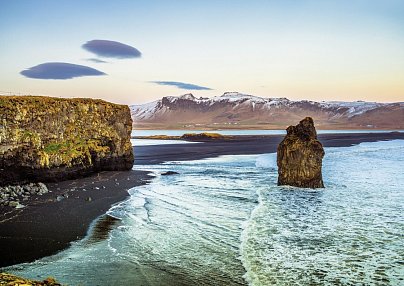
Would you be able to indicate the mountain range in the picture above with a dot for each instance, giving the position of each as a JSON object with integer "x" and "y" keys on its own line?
{"x": 234, "y": 110}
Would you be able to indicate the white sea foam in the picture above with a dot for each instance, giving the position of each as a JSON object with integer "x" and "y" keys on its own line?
{"x": 266, "y": 161}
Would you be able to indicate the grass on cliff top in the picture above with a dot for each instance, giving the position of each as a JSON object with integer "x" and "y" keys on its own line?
{"x": 10, "y": 279}
{"x": 12, "y": 100}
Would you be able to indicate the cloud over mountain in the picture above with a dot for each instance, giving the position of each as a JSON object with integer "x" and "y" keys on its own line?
{"x": 111, "y": 49}
{"x": 182, "y": 85}
{"x": 57, "y": 70}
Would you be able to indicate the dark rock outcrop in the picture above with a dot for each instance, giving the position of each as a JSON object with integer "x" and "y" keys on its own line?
{"x": 169, "y": 173}
{"x": 300, "y": 156}
{"x": 205, "y": 136}
{"x": 51, "y": 139}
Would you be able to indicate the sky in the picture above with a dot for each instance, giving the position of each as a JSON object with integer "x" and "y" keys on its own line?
{"x": 135, "y": 51}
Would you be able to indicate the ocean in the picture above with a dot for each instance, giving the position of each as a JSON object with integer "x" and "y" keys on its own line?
{"x": 224, "y": 221}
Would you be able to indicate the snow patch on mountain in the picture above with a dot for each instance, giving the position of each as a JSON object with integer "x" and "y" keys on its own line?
{"x": 353, "y": 108}
{"x": 145, "y": 111}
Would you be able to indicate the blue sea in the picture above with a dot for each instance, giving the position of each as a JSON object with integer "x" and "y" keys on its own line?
{"x": 224, "y": 221}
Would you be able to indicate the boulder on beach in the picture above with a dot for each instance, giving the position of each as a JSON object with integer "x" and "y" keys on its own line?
{"x": 299, "y": 157}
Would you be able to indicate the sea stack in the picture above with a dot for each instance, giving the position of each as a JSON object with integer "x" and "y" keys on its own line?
{"x": 52, "y": 139}
{"x": 300, "y": 156}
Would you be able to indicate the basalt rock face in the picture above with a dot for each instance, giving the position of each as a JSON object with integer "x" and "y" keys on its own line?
{"x": 300, "y": 156}
{"x": 51, "y": 139}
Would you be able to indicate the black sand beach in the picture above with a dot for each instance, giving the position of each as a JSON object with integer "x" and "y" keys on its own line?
{"x": 47, "y": 226}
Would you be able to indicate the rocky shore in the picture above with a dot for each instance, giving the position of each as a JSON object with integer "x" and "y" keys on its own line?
{"x": 54, "y": 140}
{"x": 17, "y": 195}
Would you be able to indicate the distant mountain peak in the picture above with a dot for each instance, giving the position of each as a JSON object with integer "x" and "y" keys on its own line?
{"x": 188, "y": 96}
{"x": 234, "y": 94}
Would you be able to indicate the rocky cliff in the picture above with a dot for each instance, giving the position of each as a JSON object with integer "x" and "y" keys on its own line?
{"x": 51, "y": 139}
{"x": 300, "y": 156}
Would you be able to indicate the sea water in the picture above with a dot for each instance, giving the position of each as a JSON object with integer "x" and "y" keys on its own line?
{"x": 224, "y": 221}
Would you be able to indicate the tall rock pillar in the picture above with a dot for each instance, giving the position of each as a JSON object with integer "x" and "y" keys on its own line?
{"x": 299, "y": 157}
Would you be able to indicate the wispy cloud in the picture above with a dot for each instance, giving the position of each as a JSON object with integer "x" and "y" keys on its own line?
{"x": 59, "y": 71}
{"x": 182, "y": 85}
{"x": 111, "y": 49}
{"x": 98, "y": 61}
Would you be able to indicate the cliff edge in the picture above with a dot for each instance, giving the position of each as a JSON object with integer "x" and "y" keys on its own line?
{"x": 299, "y": 157}
{"x": 51, "y": 139}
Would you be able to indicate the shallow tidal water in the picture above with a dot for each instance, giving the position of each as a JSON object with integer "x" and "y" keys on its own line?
{"x": 223, "y": 221}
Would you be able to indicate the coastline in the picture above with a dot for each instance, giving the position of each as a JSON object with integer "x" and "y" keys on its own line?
{"x": 48, "y": 226}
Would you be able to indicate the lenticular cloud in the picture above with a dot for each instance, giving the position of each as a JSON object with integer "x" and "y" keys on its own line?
{"x": 182, "y": 85}
{"x": 111, "y": 49}
{"x": 59, "y": 71}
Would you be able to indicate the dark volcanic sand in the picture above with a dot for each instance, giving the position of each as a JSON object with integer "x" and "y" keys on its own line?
{"x": 47, "y": 226}
{"x": 244, "y": 145}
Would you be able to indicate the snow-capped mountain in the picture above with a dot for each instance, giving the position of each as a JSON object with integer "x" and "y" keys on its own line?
{"x": 233, "y": 109}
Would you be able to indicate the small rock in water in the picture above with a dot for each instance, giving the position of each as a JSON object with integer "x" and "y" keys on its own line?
{"x": 169, "y": 173}
{"x": 89, "y": 199}
{"x": 59, "y": 198}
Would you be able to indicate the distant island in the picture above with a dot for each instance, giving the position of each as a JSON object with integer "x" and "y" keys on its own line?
{"x": 234, "y": 110}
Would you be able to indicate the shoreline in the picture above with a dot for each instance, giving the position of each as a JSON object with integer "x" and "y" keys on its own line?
{"x": 244, "y": 145}
{"x": 48, "y": 226}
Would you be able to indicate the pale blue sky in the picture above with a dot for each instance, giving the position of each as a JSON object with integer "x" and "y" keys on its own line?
{"x": 316, "y": 50}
